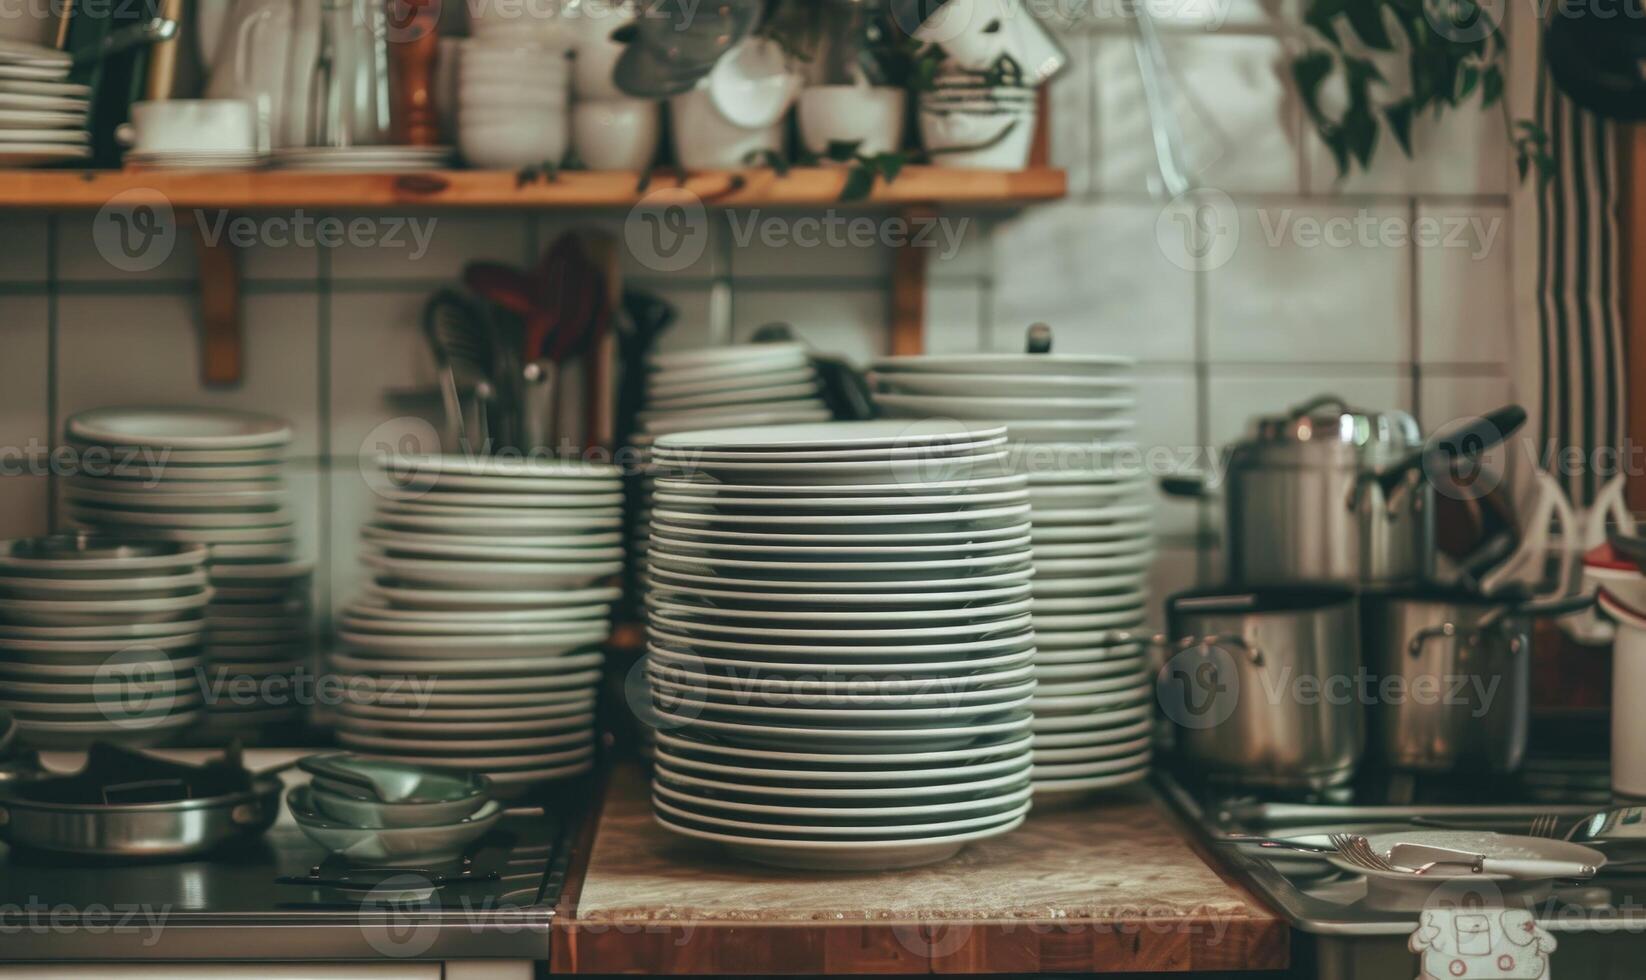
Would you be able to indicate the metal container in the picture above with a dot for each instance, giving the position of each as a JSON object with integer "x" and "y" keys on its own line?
{"x": 1262, "y": 685}
{"x": 1301, "y": 505}
{"x": 1449, "y": 677}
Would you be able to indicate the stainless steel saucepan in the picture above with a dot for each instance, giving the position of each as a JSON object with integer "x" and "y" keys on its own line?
{"x": 1330, "y": 493}
{"x": 1261, "y": 685}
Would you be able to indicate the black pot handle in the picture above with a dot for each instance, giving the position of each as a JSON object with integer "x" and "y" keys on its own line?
{"x": 1462, "y": 441}
{"x": 1552, "y": 608}
{"x": 1192, "y": 485}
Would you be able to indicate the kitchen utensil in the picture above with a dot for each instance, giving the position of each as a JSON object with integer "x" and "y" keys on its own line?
{"x": 154, "y": 31}
{"x": 1593, "y": 61}
{"x": 1453, "y": 669}
{"x": 389, "y": 782}
{"x": 1423, "y": 858}
{"x": 463, "y": 355}
{"x": 1527, "y": 567}
{"x": 130, "y": 805}
{"x": 390, "y": 846}
{"x": 677, "y": 44}
{"x": 1232, "y": 650}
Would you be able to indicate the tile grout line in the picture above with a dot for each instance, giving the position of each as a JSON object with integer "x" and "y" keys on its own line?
{"x": 323, "y": 325}
{"x": 53, "y": 424}
{"x": 1203, "y": 417}
{"x": 1414, "y": 313}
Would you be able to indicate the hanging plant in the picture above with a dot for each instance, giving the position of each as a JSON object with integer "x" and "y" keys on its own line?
{"x": 1455, "y": 54}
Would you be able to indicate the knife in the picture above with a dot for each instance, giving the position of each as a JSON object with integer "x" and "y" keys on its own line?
{"x": 1423, "y": 857}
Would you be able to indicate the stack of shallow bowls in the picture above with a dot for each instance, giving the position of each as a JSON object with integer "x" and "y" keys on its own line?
{"x": 390, "y": 813}
{"x": 744, "y": 384}
{"x": 100, "y": 639}
{"x": 211, "y": 477}
{"x": 1093, "y": 542}
{"x": 840, "y": 651}
{"x": 478, "y": 643}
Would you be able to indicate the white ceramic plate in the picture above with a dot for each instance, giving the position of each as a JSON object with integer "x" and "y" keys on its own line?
{"x": 1014, "y": 365}
{"x": 665, "y": 457}
{"x": 517, "y": 666}
{"x": 732, "y": 354}
{"x": 464, "y": 575}
{"x": 834, "y": 436}
{"x": 522, "y": 501}
{"x": 1002, "y": 386}
{"x": 862, "y": 657}
{"x": 1085, "y": 533}
{"x": 812, "y": 855}
{"x": 1002, "y": 409}
{"x": 947, "y": 520}
{"x": 806, "y": 390}
{"x": 898, "y": 636}
{"x": 690, "y": 422}
{"x": 952, "y": 489}
{"x": 181, "y": 520}
{"x": 657, "y": 391}
{"x": 982, "y": 613}
{"x": 179, "y": 428}
{"x": 847, "y": 536}
{"x": 736, "y": 507}
{"x": 497, "y": 467}
{"x": 1082, "y": 585}
{"x": 481, "y": 600}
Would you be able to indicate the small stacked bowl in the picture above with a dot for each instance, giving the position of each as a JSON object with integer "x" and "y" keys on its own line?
{"x": 971, "y": 120}
{"x": 216, "y": 478}
{"x": 610, "y": 130}
{"x": 1093, "y": 543}
{"x": 478, "y": 643}
{"x": 391, "y": 814}
{"x": 101, "y": 640}
{"x": 840, "y": 656}
{"x": 513, "y": 102}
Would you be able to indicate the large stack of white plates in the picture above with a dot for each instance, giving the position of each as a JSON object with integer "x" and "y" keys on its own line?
{"x": 742, "y": 384}
{"x": 478, "y": 643}
{"x": 42, "y": 114}
{"x": 840, "y": 651}
{"x": 100, "y": 640}
{"x": 216, "y": 478}
{"x": 1093, "y": 542}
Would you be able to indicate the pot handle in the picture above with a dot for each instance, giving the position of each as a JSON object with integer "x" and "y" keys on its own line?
{"x": 1465, "y": 440}
{"x": 1317, "y": 402}
{"x": 1414, "y": 646}
{"x": 1221, "y": 641}
{"x": 1192, "y": 485}
{"x": 1553, "y": 608}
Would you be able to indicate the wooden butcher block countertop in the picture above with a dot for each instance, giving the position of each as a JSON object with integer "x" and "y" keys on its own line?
{"x": 1111, "y": 886}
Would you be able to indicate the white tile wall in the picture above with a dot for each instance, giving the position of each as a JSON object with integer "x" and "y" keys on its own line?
{"x": 333, "y": 333}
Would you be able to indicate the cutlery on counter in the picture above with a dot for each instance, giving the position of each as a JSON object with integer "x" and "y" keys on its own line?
{"x": 1423, "y": 858}
{"x": 462, "y": 350}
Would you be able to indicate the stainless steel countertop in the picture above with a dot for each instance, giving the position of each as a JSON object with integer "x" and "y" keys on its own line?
{"x": 230, "y": 907}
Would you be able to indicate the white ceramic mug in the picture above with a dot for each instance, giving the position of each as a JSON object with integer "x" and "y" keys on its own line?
{"x": 972, "y": 33}
{"x": 979, "y": 140}
{"x": 252, "y": 58}
{"x": 616, "y": 134}
{"x": 870, "y": 117}
{"x": 192, "y": 126}
{"x": 706, "y": 140}
{"x": 595, "y": 53}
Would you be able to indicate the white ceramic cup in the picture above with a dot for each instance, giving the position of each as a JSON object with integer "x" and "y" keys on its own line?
{"x": 616, "y": 134}
{"x": 870, "y": 117}
{"x": 193, "y": 125}
{"x": 1628, "y": 721}
{"x": 706, "y": 140}
{"x": 512, "y": 142}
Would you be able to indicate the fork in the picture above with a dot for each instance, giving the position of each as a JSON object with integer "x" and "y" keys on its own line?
{"x": 1355, "y": 849}
{"x": 1547, "y": 825}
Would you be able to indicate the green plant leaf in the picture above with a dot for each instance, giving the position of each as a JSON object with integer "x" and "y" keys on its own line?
{"x": 842, "y": 150}
{"x": 890, "y": 165}
{"x": 1366, "y": 17}
{"x": 1491, "y": 86}
{"x": 859, "y": 183}
{"x": 1309, "y": 71}
{"x": 1399, "y": 117}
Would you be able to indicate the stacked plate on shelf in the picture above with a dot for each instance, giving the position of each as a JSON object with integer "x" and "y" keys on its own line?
{"x": 1093, "y": 542}
{"x": 478, "y": 643}
{"x": 210, "y": 477}
{"x": 101, "y": 639}
{"x": 744, "y": 384}
{"x": 840, "y": 657}
{"x": 42, "y": 115}
{"x": 368, "y": 159}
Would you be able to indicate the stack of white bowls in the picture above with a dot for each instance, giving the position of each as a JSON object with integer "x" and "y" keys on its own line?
{"x": 211, "y": 477}
{"x": 478, "y": 644}
{"x": 742, "y": 384}
{"x": 969, "y": 121}
{"x": 100, "y": 640}
{"x": 1093, "y": 542}
{"x": 610, "y": 130}
{"x": 512, "y": 102}
{"x": 840, "y": 653}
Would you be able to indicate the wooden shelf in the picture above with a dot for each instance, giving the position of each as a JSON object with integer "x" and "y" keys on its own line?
{"x": 1110, "y": 885}
{"x": 483, "y": 189}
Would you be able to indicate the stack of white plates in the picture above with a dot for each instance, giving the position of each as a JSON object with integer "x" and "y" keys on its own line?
{"x": 744, "y": 385}
{"x": 101, "y": 640}
{"x": 840, "y": 652}
{"x": 368, "y": 159}
{"x": 478, "y": 643}
{"x": 211, "y": 477}
{"x": 1093, "y": 542}
{"x": 42, "y": 116}
{"x": 194, "y": 159}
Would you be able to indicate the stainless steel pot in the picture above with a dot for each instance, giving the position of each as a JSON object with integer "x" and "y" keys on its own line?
{"x": 1449, "y": 677}
{"x": 1261, "y": 685}
{"x": 1329, "y": 493}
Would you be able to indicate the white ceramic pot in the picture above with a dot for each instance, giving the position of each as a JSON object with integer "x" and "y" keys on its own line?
{"x": 192, "y": 125}
{"x": 620, "y": 134}
{"x": 871, "y": 117}
{"x": 994, "y": 139}
{"x": 594, "y": 52}
{"x": 706, "y": 140}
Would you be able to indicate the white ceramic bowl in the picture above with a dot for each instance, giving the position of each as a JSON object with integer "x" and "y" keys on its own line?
{"x": 510, "y": 145}
{"x": 871, "y": 117}
{"x": 192, "y": 125}
{"x": 620, "y": 134}
{"x": 594, "y": 53}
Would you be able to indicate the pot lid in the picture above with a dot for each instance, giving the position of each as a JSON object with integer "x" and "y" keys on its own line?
{"x": 1327, "y": 425}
